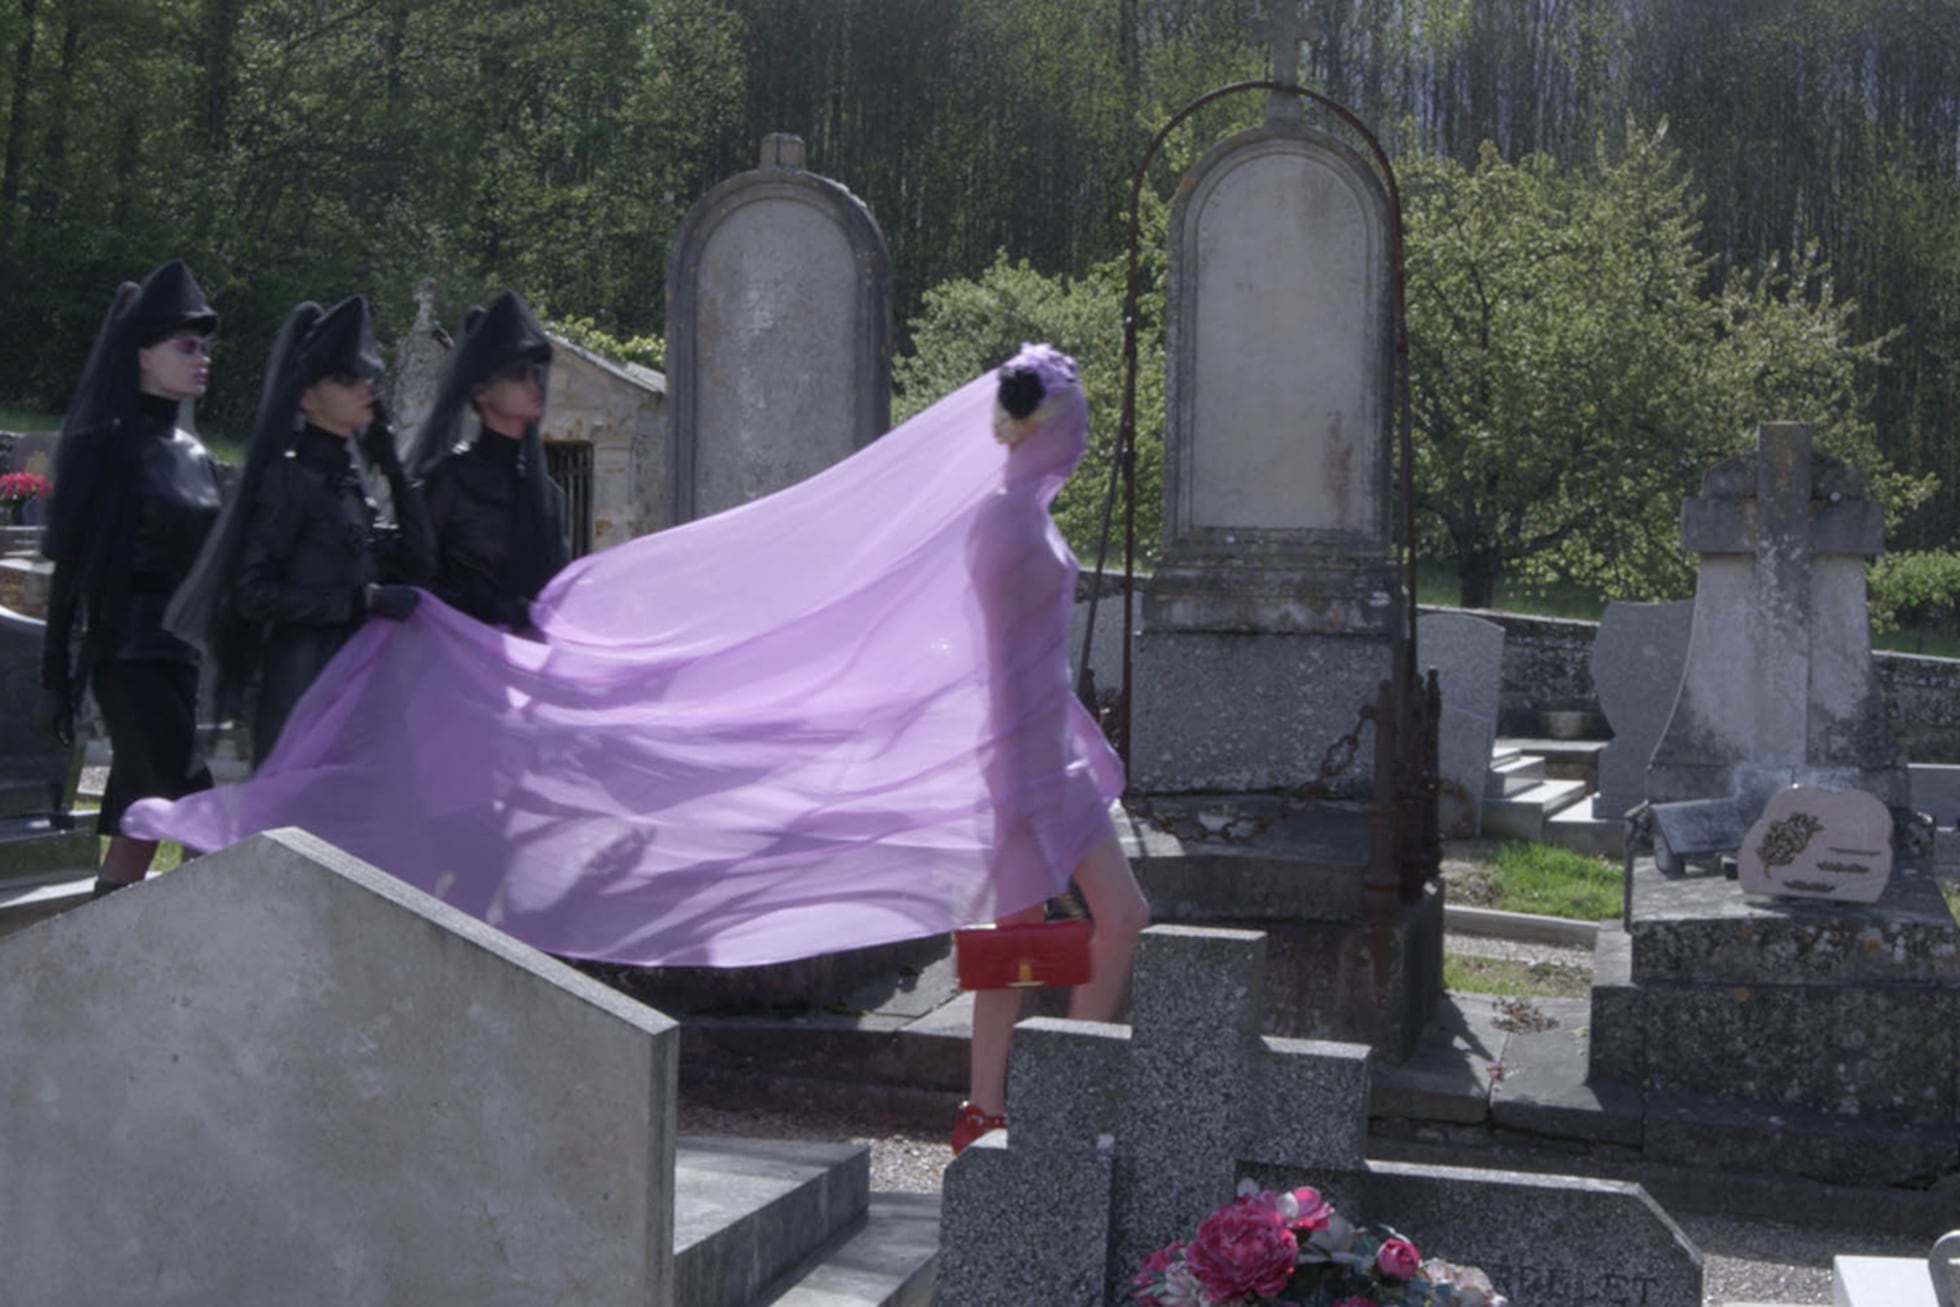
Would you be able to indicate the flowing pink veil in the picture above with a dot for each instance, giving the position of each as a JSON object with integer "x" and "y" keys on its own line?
{"x": 833, "y": 717}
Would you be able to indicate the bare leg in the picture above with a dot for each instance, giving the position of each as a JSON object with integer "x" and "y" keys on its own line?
{"x": 1121, "y": 913}
{"x": 994, "y": 1013}
{"x": 128, "y": 860}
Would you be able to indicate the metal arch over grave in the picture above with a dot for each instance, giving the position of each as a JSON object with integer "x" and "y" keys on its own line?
{"x": 779, "y": 333}
{"x": 1278, "y": 643}
{"x": 1132, "y": 1134}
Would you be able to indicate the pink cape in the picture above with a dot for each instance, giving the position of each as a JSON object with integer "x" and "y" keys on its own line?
{"x": 834, "y": 717}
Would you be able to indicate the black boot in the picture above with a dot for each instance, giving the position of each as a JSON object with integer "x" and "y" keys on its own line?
{"x": 107, "y": 887}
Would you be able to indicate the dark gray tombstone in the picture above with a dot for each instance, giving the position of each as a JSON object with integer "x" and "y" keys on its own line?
{"x": 1137, "y": 1133}
{"x": 1468, "y": 655}
{"x": 1637, "y": 657}
{"x": 778, "y": 334}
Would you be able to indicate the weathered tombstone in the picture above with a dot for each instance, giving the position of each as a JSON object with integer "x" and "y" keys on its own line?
{"x": 1778, "y": 689}
{"x": 778, "y": 333}
{"x": 37, "y": 833}
{"x": 1468, "y": 655}
{"x": 1637, "y": 657}
{"x": 278, "y": 1075}
{"x": 1269, "y": 622}
{"x": 411, "y": 383}
{"x": 1132, "y": 1135}
{"x": 1824, "y": 844}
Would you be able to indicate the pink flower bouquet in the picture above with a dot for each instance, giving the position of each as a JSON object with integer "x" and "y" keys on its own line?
{"x": 1294, "y": 1250}
{"x": 19, "y": 487}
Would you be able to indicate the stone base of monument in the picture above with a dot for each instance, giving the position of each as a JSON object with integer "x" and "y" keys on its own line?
{"x": 1801, "y": 1036}
{"x": 1332, "y": 975}
{"x": 32, "y": 847}
{"x": 1230, "y": 711}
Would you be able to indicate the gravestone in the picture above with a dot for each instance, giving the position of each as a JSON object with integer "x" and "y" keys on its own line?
{"x": 37, "y": 832}
{"x": 1778, "y": 687}
{"x": 279, "y": 1075}
{"x": 1900, "y": 1281}
{"x": 1468, "y": 655}
{"x": 419, "y": 355}
{"x": 1270, "y": 619}
{"x": 1825, "y": 844}
{"x": 1131, "y": 1135}
{"x": 1637, "y": 657}
{"x": 778, "y": 334}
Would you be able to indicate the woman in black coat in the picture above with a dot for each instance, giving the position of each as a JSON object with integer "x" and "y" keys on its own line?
{"x": 497, "y": 516}
{"x": 135, "y": 495}
{"x": 304, "y": 559}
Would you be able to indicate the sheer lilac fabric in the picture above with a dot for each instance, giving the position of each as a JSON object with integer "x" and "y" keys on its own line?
{"x": 834, "y": 717}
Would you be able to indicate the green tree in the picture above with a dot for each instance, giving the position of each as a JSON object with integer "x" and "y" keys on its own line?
{"x": 1573, "y": 375}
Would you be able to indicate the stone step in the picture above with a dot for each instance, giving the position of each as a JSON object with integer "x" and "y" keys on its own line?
{"x": 1512, "y": 776}
{"x": 891, "y": 1259}
{"x": 36, "y": 898}
{"x": 1581, "y": 828}
{"x": 1881, "y": 1282}
{"x": 748, "y": 1211}
{"x": 1524, "y": 815}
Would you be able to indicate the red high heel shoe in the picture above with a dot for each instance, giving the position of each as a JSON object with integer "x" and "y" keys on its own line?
{"x": 971, "y": 1124}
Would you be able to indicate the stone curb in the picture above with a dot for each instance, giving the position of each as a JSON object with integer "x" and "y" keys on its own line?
{"x": 1519, "y": 927}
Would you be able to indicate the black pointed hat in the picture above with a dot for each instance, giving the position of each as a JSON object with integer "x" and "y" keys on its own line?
{"x": 169, "y": 300}
{"x": 341, "y": 341}
{"x": 504, "y": 331}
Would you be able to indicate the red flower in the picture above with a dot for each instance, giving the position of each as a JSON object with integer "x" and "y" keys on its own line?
{"x": 1241, "y": 1250}
{"x": 1398, "y": 1259}
{"x": 1314, "y": 1210}
{"x": 1155, "y": 1264}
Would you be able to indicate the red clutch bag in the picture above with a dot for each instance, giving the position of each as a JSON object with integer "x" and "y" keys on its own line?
{"x": 1025, "y": 956}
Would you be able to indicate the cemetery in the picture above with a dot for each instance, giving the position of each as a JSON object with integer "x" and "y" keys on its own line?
{"x": 314, "y": 1083}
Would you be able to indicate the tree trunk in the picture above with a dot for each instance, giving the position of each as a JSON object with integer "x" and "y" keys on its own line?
{"x": 1476, "y": 574}
{"x": 17, "y": 123}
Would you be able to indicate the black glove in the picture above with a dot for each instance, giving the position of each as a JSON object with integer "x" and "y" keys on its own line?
{"x": 513, "y": 612}
{"x": 378, "y": 440}
{"x": 54, "y": 718}
{"x": 394, "y": 602}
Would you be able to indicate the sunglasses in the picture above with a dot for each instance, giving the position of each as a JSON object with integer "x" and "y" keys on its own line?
{"x": 522, "y": 370}
{"x": 191, "y": 345}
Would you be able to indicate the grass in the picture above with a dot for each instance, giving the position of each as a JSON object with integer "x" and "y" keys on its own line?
{"x": 27, "y": 419}
{"x": 1545, "y": 880}
{"x": 1951, "y": 889}
{"x": 1467, "y": 973}
{"x": 170, "y": 854}
{"x": 1436, "y": 583}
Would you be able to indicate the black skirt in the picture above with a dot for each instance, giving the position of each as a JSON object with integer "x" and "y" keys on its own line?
{"x": 150, "y": 711}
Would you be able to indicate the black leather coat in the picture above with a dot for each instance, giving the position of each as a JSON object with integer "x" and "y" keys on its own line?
{"x": 310, "y": 551}
{"x": 176, "y": 502}
{"x": 490, "y": 562}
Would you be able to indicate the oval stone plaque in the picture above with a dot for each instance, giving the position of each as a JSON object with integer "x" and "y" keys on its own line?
{"x": 1820, "y": 844}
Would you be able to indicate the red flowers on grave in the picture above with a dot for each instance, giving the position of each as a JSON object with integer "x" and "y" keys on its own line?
{"x": 19, "y": 487}
{"x": 1292, "y": 1249}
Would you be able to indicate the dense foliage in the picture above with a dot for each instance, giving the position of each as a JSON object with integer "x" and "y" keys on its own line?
{"x": 1810, "y": 163}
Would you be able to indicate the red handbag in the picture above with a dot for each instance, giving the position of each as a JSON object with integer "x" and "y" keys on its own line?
{"x": 1024, "y": 956}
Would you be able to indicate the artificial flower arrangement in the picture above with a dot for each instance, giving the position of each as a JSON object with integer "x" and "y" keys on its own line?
{"x": 19, "y": 487}
{"x": 1294, "y": 1250}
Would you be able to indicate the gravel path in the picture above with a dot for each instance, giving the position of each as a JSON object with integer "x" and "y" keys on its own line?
{"x": 1747, "y": 1261}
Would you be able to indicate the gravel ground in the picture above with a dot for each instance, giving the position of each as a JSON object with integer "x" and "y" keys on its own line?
{"x": 1748, "y": 1261}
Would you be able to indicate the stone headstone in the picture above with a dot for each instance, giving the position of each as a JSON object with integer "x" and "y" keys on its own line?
{"x": 419, "y": 355}
{"x": 279, "y": 1075}
{"x": 778, "y": 333}
{"x": 1778, "y": 687}
{"x": 1900, "y": 1281}
{"x": 32, "y": 451}
{"x": 1269, "y": 620}
{"x": 37, "y": 832}
{"x": 1637, "y": 657}
{"x": 1468, "y": 655}
{"x": 1137, "y": 1133}
{"x": 1820, "y": 844}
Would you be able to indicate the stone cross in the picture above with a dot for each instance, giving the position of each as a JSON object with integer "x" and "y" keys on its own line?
{"x": 1133, "y": 1135}
{"x": 1778, "y": 687}
{"x": 1284, "y": 30}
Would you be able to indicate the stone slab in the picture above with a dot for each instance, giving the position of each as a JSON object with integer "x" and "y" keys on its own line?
{"x": 282, "y": 1076}
{"x": 1714, "y": 1132}
{"x": 1233, "y": 711}
{"x": 1617, "y": 1048}
{"x": 1882, "y": 1282}
{"x": 33, "y": 771}
{"x": 1637, "y": 657}
{"x": 1823, "y": 844}
{"x": 1543, "y": 1239}
{"x": 893, "y": 1261}
{"x": 990, "y": 1253}
{"x": 1545, "y": 1087}
{"x": 1468, "y": 655}
{"x": 1936, "y": 791}
{"x": 1448, "y": 1077}
{"x": 1702, "y": 929}
{"x": 748, "y": 1210}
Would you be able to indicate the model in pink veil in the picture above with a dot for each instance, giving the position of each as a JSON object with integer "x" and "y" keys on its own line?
{"x": 835, "y": 717}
